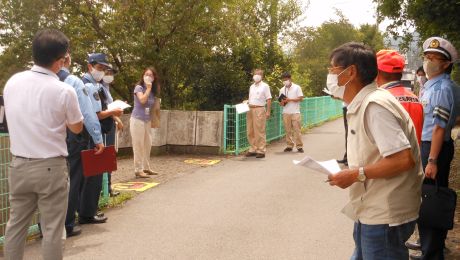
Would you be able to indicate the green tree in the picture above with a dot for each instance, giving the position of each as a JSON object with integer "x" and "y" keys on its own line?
{"x": 204, "y": 50}
{"x": 314, "y": 45}
{"x": 429, "y": 18}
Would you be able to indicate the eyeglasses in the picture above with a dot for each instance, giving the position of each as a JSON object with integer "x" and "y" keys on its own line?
{"x": 433, "y": 57}
{"x": 330, "y": 69}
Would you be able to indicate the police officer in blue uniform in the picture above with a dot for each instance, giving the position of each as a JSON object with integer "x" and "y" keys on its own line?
{"x": 97, "y": 65}
{"x": 437, "y": 148}
{"x": 77, "y": 143}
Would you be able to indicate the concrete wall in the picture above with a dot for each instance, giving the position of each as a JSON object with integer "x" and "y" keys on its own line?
{"x": 182, "y": 131}
{"x": 209, "y": 128}
{"x": 181, "y": 127}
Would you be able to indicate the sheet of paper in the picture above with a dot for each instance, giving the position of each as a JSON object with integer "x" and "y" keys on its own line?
{"x": 326, "y": 167}
{"x": 118, "y": 104}
{"x": 242, "y": 108}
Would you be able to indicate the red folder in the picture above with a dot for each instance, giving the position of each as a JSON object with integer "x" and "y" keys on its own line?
{"x": 98, "y": 164}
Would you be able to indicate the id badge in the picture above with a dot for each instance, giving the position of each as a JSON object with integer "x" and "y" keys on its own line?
{"x": 147, "y": 110}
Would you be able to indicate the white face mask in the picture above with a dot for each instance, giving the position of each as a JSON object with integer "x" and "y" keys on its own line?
{"x": 287, "y": 83}
{"x": 97, "y": 75}
{"x": 431, "y": 68}
{"x": 332, "y": 85}
{"x": 148, "y": 80}
{"x": 108, "y": 79}
{"x": 257, "y": 78}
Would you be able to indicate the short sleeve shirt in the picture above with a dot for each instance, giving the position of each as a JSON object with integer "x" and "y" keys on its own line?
{"x": 259, "y": 93}
{"x": 438, "y": 106}
{"x": 294, "y": 91}
{"x": 38, "y": 106}
{"x": 384, "y": 130}
{"x": 142, "y": 111}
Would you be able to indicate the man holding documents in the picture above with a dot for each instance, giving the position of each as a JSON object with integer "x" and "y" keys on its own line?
{"x": 259, "y": 96}
{"x": 97, "y": 66}
{"x": 385, "y": 173}
{"x": 290, "y": 97}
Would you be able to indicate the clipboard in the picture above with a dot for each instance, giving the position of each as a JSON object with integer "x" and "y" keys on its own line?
{"x": 99, "y": 164}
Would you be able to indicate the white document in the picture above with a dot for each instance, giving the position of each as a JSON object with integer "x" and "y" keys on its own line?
{"x": 326, "y": 167}
{"x": 118, "y": 104}
{"x": 242, "y": 108}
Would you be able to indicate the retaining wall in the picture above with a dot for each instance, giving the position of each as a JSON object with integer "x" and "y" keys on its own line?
{"x": 181, "y": 131}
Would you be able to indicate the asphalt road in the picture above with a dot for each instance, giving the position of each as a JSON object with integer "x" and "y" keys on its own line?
{"x": 242, "y": 208}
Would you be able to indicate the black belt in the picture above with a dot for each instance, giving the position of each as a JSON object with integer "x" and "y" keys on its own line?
{"x": 33, "y": 159}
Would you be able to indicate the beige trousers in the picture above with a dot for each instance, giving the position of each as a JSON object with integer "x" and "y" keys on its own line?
{"x": 292, "y": 127}
{"x": 255, "y": 120}
{"x": 142, "y": 143}
{"x": 42, "y": 184}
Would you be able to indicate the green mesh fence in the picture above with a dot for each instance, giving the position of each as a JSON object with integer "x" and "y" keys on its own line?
{"x": 5, "y": 159}
{"x": 314, "y": 110}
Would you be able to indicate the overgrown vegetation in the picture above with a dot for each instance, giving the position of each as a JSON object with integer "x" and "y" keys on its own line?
{"x": 204, "y": 50}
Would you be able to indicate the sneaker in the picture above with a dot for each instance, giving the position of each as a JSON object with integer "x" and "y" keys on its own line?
{"x": 71, "y": 232}
{"x": 300, "y": 150}
{"x": 250, "y": 154}
{"x": 260, "y": 155}
{"x": 288, "y": 149}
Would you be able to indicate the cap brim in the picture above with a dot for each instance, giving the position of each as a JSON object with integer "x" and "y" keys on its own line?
{"x": 438, "y": 51}
{"x": 103, "y": 63}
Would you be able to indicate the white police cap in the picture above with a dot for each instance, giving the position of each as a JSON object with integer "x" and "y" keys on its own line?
{"x": 440, "y": 45}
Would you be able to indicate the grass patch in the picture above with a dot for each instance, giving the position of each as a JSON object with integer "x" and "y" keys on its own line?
{"x": 119, "y": 201}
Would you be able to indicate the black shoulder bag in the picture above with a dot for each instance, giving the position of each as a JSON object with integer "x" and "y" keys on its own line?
{"x": 438, "y": 207}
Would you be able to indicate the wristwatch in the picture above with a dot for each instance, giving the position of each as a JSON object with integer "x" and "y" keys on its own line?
{"x": 432, "y": 160}
{"x": 361, "y": 174}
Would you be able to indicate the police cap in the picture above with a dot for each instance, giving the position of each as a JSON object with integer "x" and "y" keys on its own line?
{"x": 440, "y": 45}
{"x": 99, "y": 58}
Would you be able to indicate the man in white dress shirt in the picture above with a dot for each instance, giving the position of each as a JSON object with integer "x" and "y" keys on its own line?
{"x": 259, "y": 96}
{"x": 290, "y": 97}
{"x": 38, "y": 108}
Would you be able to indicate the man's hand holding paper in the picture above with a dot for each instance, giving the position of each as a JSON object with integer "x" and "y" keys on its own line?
{"x": 344, "y": 178}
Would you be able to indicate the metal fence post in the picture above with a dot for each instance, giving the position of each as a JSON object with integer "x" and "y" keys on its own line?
{"x": 225, "y": 128}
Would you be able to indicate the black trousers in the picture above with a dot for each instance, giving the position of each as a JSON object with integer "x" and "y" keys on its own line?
{"x": 75, "y": 144}
{"x": 433, "y": 240}
{"x": 90, "y": 193}
{"x": 345, "y": 123}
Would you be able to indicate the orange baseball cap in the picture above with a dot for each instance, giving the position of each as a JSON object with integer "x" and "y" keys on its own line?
{"x": 390, "y": 61}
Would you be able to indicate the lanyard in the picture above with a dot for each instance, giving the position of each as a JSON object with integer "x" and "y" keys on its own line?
{"x": 286, "y": 90}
